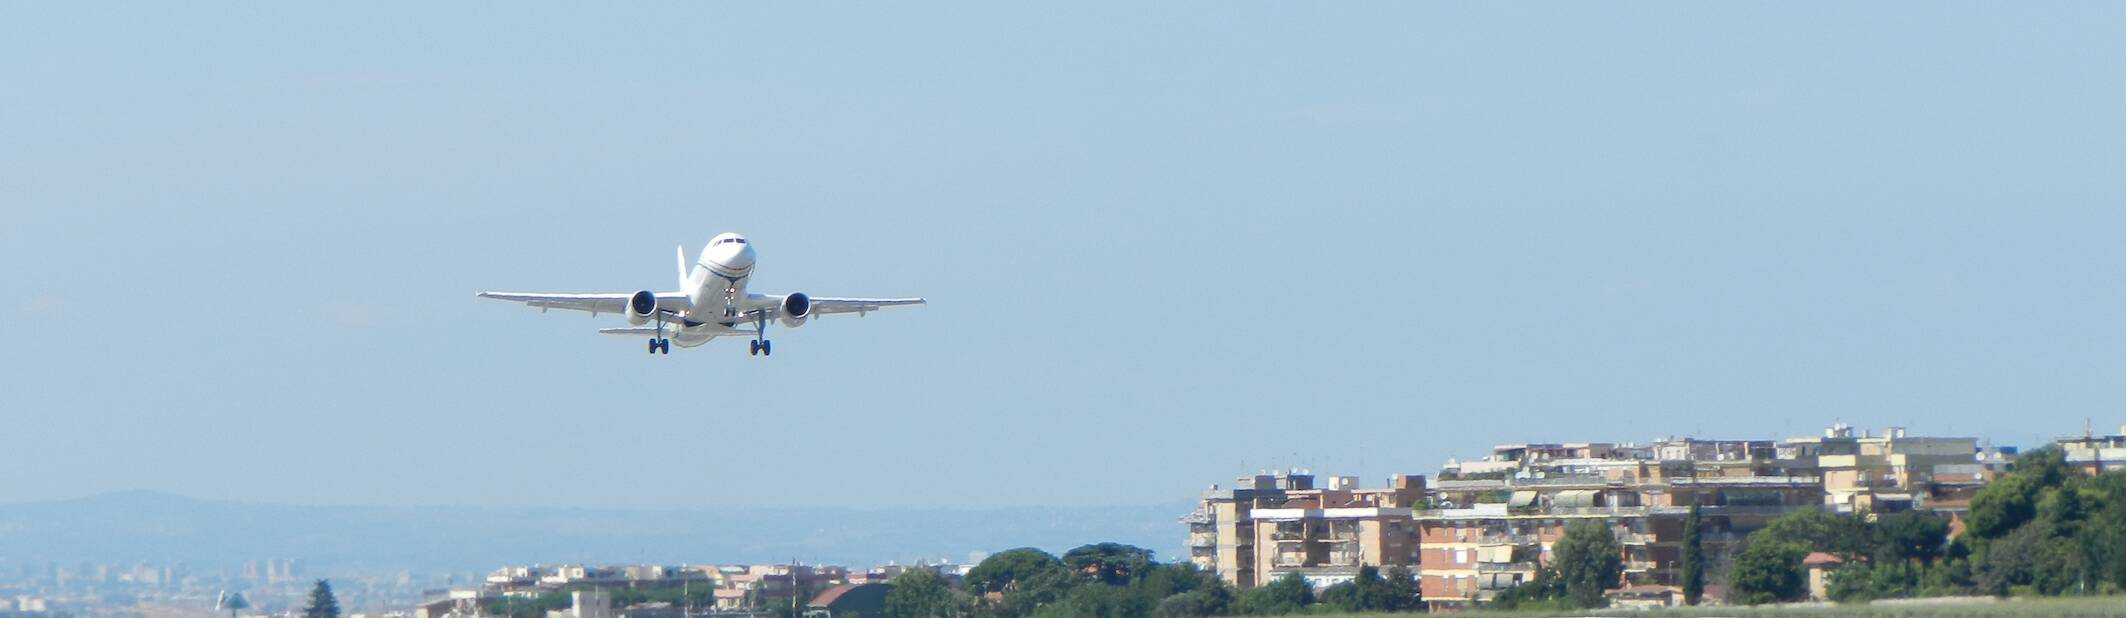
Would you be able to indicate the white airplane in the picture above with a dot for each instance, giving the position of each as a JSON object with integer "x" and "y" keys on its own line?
{"x": 711, "y": 302}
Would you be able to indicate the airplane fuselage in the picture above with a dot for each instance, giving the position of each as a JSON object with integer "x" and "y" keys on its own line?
{"x": 716, "y": 287}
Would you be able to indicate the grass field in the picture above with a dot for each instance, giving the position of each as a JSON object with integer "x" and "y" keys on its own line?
{"x": 2083, "y": 607}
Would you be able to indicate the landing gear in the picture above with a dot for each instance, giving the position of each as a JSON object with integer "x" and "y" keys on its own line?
{"x": 659, "y": 343}
{"x": 760, "y": 345}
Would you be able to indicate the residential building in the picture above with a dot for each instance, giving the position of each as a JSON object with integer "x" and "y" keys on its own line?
{"x": 1488, "y": 524}
{"x": 1221, "y": 530}
{"x": 1327, "y": 535}
{"x": 2095, "y": 454}
{"x": 1883, "y": 473}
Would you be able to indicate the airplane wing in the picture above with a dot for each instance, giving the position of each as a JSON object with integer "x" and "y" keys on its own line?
{"x": 827, "y": 305}
{"x": 593, "y": 303}
{"x": 748, "y": 320}
{"x": 633, "y": 331}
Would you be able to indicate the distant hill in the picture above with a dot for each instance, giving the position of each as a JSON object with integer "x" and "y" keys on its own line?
{"x": 207, "y": 534}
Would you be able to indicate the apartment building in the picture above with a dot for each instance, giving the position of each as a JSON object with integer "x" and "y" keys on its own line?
{"x": 2095, "y": 454}
{"x": 1470, "y": 554}
{"x": 1890, "y": 472}
{"x": 1488, "y": 524}
{"x": 1225, "y": 532}
{"x": 734, "y": 588}
{"x": 1327, "y": 535}
{"x": 1221, "y": 534}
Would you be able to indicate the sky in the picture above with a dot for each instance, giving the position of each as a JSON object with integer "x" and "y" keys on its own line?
{"x": 1164, "y": 244}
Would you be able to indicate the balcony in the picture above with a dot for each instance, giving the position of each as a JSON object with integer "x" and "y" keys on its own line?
{"x": 1510, "y": 539}
{"x": 1203, "y": 539}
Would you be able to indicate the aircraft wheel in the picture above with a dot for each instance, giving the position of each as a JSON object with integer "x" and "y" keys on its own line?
{"x": 653, "y": 346}
{"x": 766, "y": 348}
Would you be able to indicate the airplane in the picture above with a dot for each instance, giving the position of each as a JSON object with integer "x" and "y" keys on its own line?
{"x": 711, "y": 302}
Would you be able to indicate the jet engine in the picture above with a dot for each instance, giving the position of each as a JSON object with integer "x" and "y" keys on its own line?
{"x": 795, "y": 308}
{"x": 641, "y": 306}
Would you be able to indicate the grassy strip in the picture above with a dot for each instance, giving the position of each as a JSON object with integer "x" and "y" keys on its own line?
{"x": 2073, "y": 607}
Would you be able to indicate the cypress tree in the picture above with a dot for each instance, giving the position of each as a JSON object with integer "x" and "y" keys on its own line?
{"x": 322, "y": 604}
{"x": 1693, "y": 560}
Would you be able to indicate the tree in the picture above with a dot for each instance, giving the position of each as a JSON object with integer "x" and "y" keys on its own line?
{"x": 2061, "y": 509}
{"x": 1693, "y": 559}
{"x": 1287, "y": 595}
{"x": 1768, "y": 571}
{"x": 1366, "y": 592}
{"x": 521, "y": 607}
{"x": 1164, "y": 580}
{"x": 1008, "y": 569}
{"x": 1034, "y": 591}
{"x": 916, "y": 593}
{"x": 1100, "y": 601}
{"x": 1852, "y": 583}
{"x": 1848, "y": 537}
{"x": 321, "y": 603}
{"x": 1209, "y": 596}
{"x": 1947, "y": 578}
{"x": 235, "y": 603}
{"x": 1542, "y": 592}
{"x": 2046, "y": 466}
{"x": 2104, "y": 534}
{"x": 2002, "y": 506}
{"x": 1402, "y": 591}
{"x": 1589, "y": 561}
{"x": 2007, "y": 503}
{"x": 1190, "y": 605}
{"x": 1114, "y": 564}
{"x": 1911, "y": 535}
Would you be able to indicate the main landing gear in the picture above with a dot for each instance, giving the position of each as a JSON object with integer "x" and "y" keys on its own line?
{"x": 659, "y": 343}
{"x": 760, "y": 345}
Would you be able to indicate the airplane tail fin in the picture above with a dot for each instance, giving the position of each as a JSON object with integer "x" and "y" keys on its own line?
{"x": 682, "y": 267}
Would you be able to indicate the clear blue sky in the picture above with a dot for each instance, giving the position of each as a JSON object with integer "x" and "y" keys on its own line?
{"x": 1164, "y": 244}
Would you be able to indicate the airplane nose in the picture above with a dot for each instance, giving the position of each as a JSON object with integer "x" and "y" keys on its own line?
{"x": 735, "y": 256}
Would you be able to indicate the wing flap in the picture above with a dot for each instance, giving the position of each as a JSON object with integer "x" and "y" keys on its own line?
{"x": 631, "y": 331}
{"x": 829, "y": 305}
{"x": 594, "y": 303}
